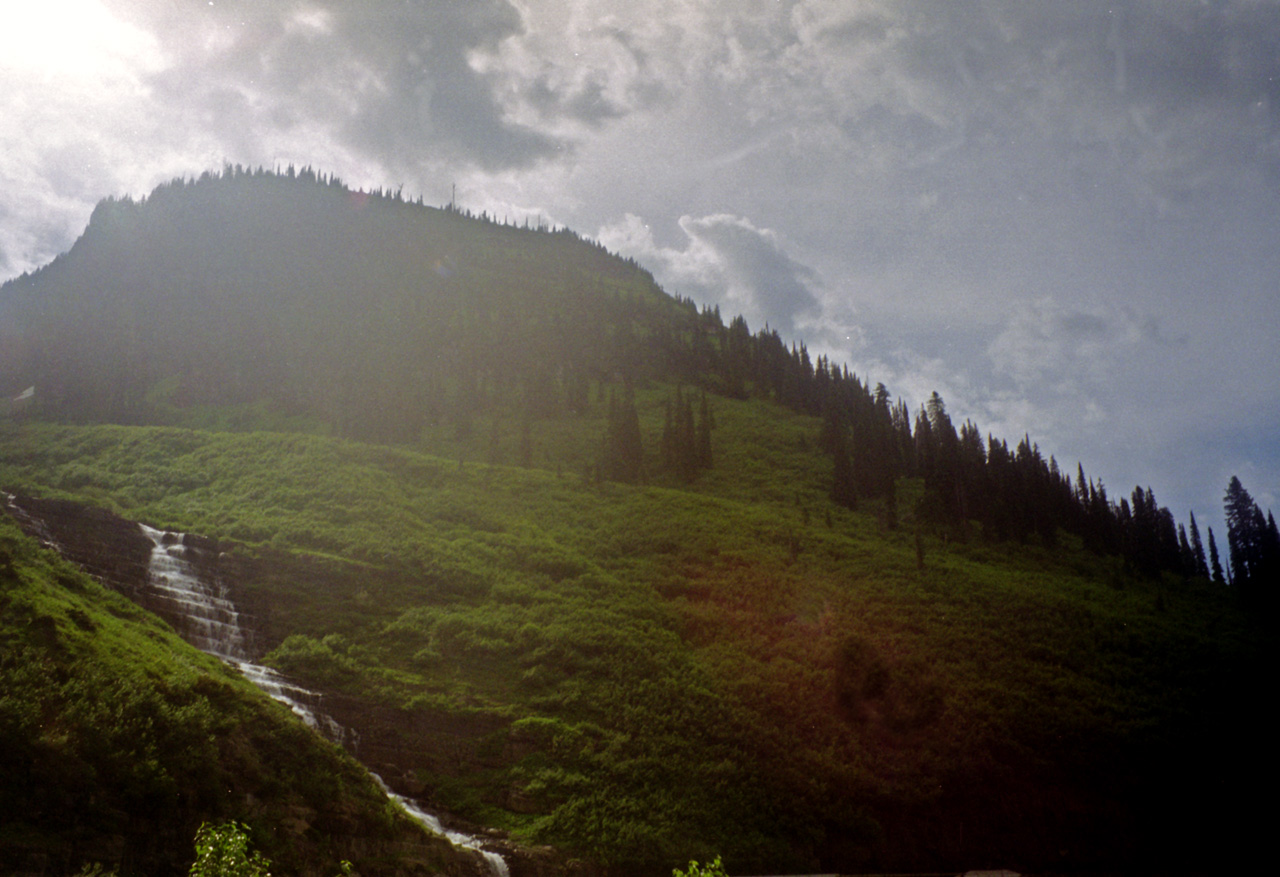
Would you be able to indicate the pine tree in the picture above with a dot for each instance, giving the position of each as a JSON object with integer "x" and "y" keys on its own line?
{"x": 1215, "y": 566}
{"x": 1197, "y": 550}
{"x": 686, "y": 439}
{"x": 1186, "y": 556}
{"x": 1170, "y": 552}
{"x": 1144, "y": 532}
{"x": 622, "y": 457}
{"x": 1243, "y": 534}
{"x": 1269, "y": 561}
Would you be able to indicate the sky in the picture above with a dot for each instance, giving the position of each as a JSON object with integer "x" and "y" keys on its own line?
{"x": 1062, "y": 216}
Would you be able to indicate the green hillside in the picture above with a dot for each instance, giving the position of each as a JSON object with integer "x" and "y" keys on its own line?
{"x": 117, "y": 740}
{"x": 675, "y": 672}
{"x": 592, "y": 567}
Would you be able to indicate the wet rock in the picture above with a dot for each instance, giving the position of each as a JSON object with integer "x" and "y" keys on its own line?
{"x": 108, "y": 547}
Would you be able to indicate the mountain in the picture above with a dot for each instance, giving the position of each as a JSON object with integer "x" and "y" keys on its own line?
{"x": 582, "y": 562}
{"x": 361, "y": 311}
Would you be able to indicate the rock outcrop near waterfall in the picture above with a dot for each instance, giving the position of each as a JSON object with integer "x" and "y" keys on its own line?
{"x": 114, "y": 551}
{"x": 117, "y": 739}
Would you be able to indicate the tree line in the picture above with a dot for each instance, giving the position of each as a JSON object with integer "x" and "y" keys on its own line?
{"x": 1012, "y": 494}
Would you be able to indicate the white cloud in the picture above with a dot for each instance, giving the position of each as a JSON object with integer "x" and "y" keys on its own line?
{"x": 73, "y": 96}
{"x": 1044, "y": 343}
{"x": 726, "y": 261}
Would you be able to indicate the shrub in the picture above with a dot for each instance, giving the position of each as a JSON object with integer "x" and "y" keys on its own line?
{"x": 711, "y": 869}
{"x": 223, "y": 851}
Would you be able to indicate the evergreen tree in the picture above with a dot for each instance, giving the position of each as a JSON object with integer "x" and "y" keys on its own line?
{"x": 1170, "y": 557}
{"x": 1269, "y": 564}
{"x": 1144, "y": 530}
{"x": 1197, "y": 550}
{"x": 685, "y": 439}
{"x": 1215, "y": 566}
{"x": 1243, "y": 537}
{"x": 1186, "y": 556}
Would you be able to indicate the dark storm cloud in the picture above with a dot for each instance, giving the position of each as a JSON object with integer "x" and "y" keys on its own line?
{"x": 392, "y": 81}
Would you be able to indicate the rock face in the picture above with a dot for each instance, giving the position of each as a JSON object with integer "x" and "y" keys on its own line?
{"x": 394, "y": 744}
{"x": 115, "y": 551}
{"x": 108, "y": 547}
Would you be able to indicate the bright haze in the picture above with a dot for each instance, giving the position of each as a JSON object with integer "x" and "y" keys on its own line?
{"x": 1062, "y": 216}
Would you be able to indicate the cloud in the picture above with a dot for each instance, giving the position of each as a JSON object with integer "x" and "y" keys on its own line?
{"x": 760, "y": 278}
{"x": 104, "y": 97}
{"x": 393, "y": 82}
{"x": 72, "y": 83}
{"x": 574, "y": 72}
{"x": 1046, "y": 344}
{"x": 729, "y": 262}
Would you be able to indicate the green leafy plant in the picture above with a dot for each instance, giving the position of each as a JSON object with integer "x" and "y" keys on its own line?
{"x": 714, "y": 868}
{"x": 223, "y": 851}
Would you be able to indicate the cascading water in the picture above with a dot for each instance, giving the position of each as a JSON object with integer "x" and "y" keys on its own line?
{"x": 497, "y": 864}
{"x": 211, "y": 623}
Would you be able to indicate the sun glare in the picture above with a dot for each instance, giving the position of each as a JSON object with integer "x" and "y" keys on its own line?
{"x": 74, "y": 38}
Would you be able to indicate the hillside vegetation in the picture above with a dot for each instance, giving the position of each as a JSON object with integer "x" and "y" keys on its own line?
{"x": 676, "y": 673}
{"x": 117, "y": 740}
{"x": 616, "y": 577}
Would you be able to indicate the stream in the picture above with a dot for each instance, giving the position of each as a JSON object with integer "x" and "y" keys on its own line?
{"x": 212, "y": 625}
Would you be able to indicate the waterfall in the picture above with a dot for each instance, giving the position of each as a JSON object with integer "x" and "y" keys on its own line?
{"x": 210, "y": 622}
{"x": 497, "y": 864}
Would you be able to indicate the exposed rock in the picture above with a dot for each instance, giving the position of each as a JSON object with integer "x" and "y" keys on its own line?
{"x": 108, "y": 547}
{"x": 117, "y": 553}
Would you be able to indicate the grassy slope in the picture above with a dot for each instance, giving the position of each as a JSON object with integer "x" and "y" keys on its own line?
{"x": 733, "y": 665}
{"x": 117, "y": 740}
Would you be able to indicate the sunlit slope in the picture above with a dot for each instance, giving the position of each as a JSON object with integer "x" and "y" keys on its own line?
{"x": 117, "y": 740}
{"x": 656, "y": 672}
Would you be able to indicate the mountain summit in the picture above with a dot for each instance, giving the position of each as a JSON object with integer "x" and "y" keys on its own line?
{"x": 358, "y": 309}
